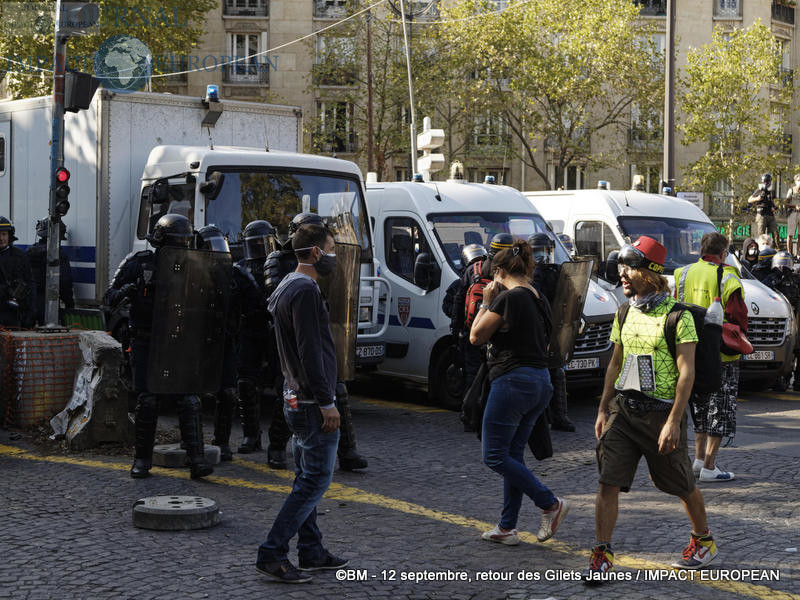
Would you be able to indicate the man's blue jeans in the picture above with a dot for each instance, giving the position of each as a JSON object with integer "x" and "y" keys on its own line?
{"x": 315, "y": 456}
{"x": 516, "y": 399}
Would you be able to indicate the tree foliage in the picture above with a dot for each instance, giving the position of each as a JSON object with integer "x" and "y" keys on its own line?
{"x": 736, "y": 101}
{"x": 563, "y": 73}
{"x": 26, "y": 36}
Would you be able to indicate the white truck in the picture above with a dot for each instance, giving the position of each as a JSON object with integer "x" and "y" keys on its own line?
{"x": 431, "y": 222}
{"x": 600, "y": 221}
{"x": 124, "y": 144}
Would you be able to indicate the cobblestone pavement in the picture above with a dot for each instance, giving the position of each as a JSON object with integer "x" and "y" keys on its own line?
{"x": 417, "y": 512}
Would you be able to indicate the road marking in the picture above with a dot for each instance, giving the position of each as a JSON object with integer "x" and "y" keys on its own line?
{"x": 338, "y": 491}
{"x": 403, "y": 406}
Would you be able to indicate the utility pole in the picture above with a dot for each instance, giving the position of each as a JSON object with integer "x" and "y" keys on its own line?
{"x": 669, "y": 101}
{"x": 413, "y": 126}
{"x": 56, "y": 163}
{"x": 370, "y": 148}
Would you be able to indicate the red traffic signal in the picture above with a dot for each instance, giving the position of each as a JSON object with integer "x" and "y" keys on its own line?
{"x": 62, "y": 175}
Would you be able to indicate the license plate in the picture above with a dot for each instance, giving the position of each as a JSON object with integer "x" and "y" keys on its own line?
{"x": 373, "y": 351}
{"x": 760, "y": 355}
{"x": 578, "y": 364}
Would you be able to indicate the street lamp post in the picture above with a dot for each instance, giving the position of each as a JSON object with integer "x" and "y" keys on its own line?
{"x": 669, "y": 100}
{"x": 413, "y": 126}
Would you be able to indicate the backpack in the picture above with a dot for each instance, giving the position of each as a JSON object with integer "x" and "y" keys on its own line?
{"x": 474, "y": 298}
{"x": 707, "y": 358}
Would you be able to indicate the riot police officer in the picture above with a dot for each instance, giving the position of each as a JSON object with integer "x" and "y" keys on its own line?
{"x": 17, "y": 289}
{"x": 279, "y": 264}
{"x": 244, "y": 297}
{"x": 255, "y": 340}
{"x": 783, "y": 279}
{"x": 37, "y": 256}
{"x": 136, "y": 279}
{"x": 545, "y": 280}
{"x": 764, "y": 265}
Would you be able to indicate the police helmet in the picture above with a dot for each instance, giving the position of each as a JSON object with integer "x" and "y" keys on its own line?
{"x": 6, "y": 225}
{"x": 259, "y": 239}
{"x": 471, "y": 253}
{"x": 42, "y": 226}
{"x": 782, "y": 260}
{"x": 766, "y": 179}
{"x": 304, "y": 218}
{"x": 567, "y": 242}
{"x": 542, "y": 245}
{"x": 211, "y": 238}
{"x": 765, "y": 257}
{"x": 500, "y": 241}
{"x": 171, "y": 230}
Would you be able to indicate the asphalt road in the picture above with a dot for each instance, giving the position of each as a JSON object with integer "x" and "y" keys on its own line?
{"x": 410, "y": 524}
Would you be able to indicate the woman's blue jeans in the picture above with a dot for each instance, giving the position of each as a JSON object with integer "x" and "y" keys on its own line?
{"x": 516, "y": 399}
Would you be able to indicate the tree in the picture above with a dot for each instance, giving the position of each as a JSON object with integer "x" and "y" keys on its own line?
{"x": 562, "y": 73}
{"x": 735, "y": 100}
{"x": 27, "y": 37}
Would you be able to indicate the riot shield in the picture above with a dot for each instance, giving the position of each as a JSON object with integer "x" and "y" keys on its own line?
{"x": 567, "y": 307}
{"x": 188, "y": 335}
{"x": 341, "y": 288}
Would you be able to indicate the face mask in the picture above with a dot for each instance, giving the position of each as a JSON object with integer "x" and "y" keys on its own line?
{"x": 752, "y": 252}
{"x": 326, "y": 263}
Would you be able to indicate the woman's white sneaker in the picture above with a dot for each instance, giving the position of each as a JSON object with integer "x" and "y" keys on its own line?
{"x": 551, "y": 520}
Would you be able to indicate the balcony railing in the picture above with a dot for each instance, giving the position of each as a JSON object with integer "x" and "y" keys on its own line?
{"x": 341, "y": 142}
{"x": 252, "y": 74}
{"x": 342, "y": 75}
{"x": 246, "y": 8}
{"x": 786, "y": 76}
{"x": 330, "y": 9}
{"x": 174, "y": 64}
{"x": 652, "y": 8}
{"x": 782, "y": 12}
{"x": 644, "y": 138}
{"x": 727, "y": 9}
{"x": 489, "y": 143}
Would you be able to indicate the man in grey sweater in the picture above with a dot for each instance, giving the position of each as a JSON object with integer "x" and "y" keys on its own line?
{"x": 308, "y": 363}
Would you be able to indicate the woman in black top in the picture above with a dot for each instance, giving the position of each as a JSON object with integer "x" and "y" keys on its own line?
{"x": 515, "y": 321}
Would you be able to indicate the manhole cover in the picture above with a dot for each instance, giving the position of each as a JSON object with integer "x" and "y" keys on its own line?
{"x": 175, "y": 513}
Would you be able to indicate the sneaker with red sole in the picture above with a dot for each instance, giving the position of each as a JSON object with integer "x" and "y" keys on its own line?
{"x": 700, "y": 551}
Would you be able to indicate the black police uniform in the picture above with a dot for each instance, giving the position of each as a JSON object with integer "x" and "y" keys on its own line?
{"x": 787, "y": 282}
{"x": 17, "y": 288}
{"x": 279, "y": 264}
{"x": 255, "y": 364}
{"x": 136, "y": 279}
{"x": 545, "y": 280}
{"x": 37, "y": 256}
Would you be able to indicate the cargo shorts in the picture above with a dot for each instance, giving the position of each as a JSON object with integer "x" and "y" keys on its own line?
{"x": 630, "y": 434}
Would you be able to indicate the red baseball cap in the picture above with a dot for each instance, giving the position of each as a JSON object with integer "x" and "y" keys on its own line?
{"x": 653, "y": 252}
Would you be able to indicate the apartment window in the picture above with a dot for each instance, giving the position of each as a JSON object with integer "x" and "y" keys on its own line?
{"x": 246, "y": 8}
{"x": 401, "y": 175}
{"x": 728, "y": 9}
{"x": 250, "y": 65}
{"x": 489, "y": 131}
{"x": 334, "y": 61}
{"x": 652, "y": 8}
{"x": 569, "y": 178}
{"x": 479, "y": 175}
{"x": 335, "y": 131}
{"x": 330, "y": 9}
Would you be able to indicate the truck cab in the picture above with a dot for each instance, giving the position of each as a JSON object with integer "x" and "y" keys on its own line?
{"x": 420, "y": 230}
{"x": 600, "y": 221}
{"x": 230, "y": 187}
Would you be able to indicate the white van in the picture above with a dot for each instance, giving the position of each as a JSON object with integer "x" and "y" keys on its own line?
{"x": 420, "y": 229}
{"x": 600, "y": 221}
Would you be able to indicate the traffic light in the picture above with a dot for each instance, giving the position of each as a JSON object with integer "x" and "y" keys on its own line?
{"x": 62, "y": 191}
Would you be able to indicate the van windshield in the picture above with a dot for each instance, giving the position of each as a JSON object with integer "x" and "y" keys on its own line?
{"x": 680, "y": 236}
{"x": 278, "y": 195}
{"x": 454, "y": 231}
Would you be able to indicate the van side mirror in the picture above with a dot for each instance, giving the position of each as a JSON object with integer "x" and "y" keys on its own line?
{"x": 611, "y": 271}
{"x": 212, "y": 186}
{"x": 427, "y": 274}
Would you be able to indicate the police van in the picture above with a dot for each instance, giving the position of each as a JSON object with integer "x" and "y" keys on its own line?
{"x": 600, "y": 221}
{"x": 420, "y": 230}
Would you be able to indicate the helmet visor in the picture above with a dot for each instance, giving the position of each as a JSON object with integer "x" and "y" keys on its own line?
{"x": 178, "y": 240}
{"x": 259, "y": 246}
{"x": 216, "y": 243}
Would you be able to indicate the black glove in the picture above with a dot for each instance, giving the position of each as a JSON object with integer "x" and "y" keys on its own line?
{"x": 127, "y": 291}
